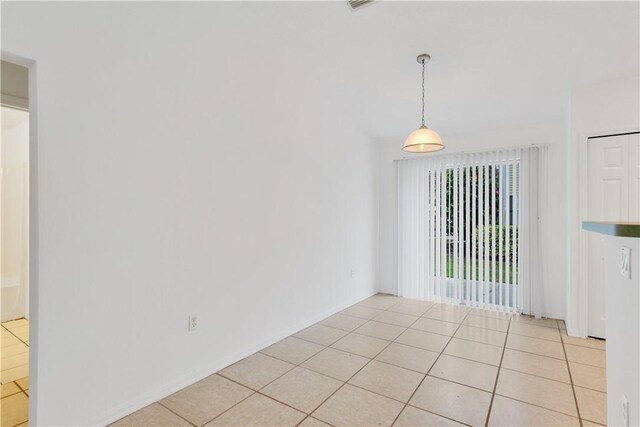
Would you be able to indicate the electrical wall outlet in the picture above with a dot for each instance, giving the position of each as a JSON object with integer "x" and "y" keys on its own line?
{"x": 193, "y": 323}
{"x": 625, "y": 411}
{"x": 625, "y": 261}
{"x": 353, "y": 273}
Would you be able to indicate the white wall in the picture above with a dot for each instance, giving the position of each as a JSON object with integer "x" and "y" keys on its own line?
{"x": 186, "y": 166}
{"x": 623, "y": 331}
{"x": 14, "y": 214}
{"x": 549, "y": 133}
{"x": 599, "y": 109}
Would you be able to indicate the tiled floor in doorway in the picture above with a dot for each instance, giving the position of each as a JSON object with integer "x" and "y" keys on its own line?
{"x": 14, "y": 373}
{"x": 394, "y": 361}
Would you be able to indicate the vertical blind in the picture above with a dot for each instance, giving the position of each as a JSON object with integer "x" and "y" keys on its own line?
{"x": 468, "y": 228}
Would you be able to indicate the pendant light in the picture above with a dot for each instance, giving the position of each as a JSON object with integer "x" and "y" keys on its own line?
{"x": 423, "y": 139}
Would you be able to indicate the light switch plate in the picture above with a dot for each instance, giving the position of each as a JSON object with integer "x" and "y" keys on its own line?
{"x": 625, "y": 411}
{"x": 193, "y": 323}
{"x": 625, "y": 262}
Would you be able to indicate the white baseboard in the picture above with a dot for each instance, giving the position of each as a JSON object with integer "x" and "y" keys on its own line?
{"x": 553, "y": 316}
{"x": 574, "y": 333}
{"x": 196, "y": 375}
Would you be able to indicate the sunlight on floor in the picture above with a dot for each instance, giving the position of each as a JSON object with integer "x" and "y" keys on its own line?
{"x": 14, "y": 374}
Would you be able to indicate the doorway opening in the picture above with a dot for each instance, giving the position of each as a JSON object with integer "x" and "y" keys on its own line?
{"x": 14, "y": 244}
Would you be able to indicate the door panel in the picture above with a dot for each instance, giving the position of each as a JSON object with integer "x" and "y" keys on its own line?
{"x": 634, "y": 182}
{"x": 612, "y": 196}
{"x": 612, "y": 200}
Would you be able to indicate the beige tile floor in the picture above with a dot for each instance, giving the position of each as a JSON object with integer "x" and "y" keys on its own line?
{"x": 14, "y": 373}
{"x": 394, "y": 361}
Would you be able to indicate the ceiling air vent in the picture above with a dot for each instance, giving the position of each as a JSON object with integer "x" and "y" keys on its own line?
{"x": 358, "y": 4}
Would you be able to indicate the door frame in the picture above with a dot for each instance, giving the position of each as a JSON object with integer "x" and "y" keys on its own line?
{"x": 582, "y": 303}
{"x": 34, "y": 230}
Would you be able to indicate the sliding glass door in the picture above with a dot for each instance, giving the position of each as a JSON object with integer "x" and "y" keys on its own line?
{"x": 460, "y": 228}
{"x": 478, "y": 246}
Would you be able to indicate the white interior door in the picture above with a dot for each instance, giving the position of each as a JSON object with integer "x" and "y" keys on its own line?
{"x": 613, "y": 195}
{"x": 634, "y": 183}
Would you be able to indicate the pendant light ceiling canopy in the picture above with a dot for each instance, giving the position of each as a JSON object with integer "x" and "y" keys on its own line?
{"x": 423, "y": 139}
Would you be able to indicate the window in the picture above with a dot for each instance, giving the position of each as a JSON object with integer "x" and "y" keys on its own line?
{"x": 461, "y": 228}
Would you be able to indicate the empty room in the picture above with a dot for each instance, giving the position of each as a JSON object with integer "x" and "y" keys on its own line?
{"x": 320, "y": 213}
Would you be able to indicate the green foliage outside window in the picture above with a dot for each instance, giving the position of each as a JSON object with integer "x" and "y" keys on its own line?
{"x": 493, "y": 243}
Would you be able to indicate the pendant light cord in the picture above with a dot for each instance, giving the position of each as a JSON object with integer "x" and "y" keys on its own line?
{"x": 423, "y": 92}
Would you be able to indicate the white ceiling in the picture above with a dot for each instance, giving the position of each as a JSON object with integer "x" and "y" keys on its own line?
{"x": 494, "y": 64}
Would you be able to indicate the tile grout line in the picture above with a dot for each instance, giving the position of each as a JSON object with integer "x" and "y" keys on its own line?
{"x": 299, "y": 365}
{"x": 408, "y": 404}
{"x": 546, "y": 378}
{"x": 253, "y": 390}
{"x": 504, "y": 348}
{"x": 431, "y": 412}
{"x": 573, "y": 389}
{"x": 372, "y": 359}
{"x": 584, "y": 364}
{"x": 500, "y": 368}
{"x": 536, "y": 405}
{"x": 580, "y": 344}
{"x": 296, "y": 365}
{"x": 511, "y": 348}
{"x": 19, "y": 339}
{"x": 20, "y": 390}
{"x": 495, "y": 384}
{"x": 550, "y": 379}
{"x": 447, "y": 354}
{"x": 447, "y": 336}
{"x": 358, "y": 371}
{"x": 168, "y": 409}
{"x": 267, "y": 384}
{"x": 342, "y": 385}
{"x": 418, "y": 372}
{"x": 427, "y": 374}
{"x": 405, "y": 328}
{"x": 442, "y": 352}
{"x": 468, "y": 312}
